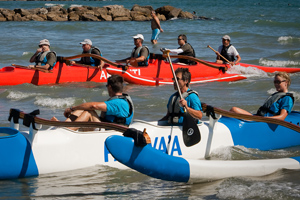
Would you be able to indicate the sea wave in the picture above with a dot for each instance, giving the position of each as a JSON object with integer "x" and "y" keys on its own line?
{"x": 25, "y": 53}
{"x": 53, "y": 4}
{"x": 75, "y": 5}
{"x": 55, "y": 102}
{"x": 17, "y": 95}
{"x": 277, "y": 63}
{"x": 237, "y": 69}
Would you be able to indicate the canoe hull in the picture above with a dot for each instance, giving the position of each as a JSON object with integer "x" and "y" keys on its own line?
{"x": 60, "y": 149}
{"x": 61, "y": 73}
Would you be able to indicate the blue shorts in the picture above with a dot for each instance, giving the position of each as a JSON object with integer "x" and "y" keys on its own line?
{"x": 155, "y": 34}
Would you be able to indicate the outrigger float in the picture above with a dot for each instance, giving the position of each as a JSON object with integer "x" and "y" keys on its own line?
{"x": 39, "y": 151}
{"x": 157, "y": 73}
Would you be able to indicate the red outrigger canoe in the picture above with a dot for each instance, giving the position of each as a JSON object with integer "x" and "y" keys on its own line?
{"x": 158, "y": 72}
{"x": 61, "y": 73}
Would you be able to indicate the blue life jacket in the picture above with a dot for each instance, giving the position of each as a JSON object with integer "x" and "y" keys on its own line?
{"x": 90, "y": 60}
{"x": 121, "y": 120}
{"x": 264, "y": 109}
{"x": 41, "y": 58}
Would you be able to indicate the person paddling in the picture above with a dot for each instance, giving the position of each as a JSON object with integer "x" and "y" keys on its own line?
{"x": 279, "y": 104}
{"x": 117, "y": 109}
{"x": 184, "y": 49}
{"x": 190, "y": 99}
{"x": 43, "y": 57}
{"x": 228, "y": 51}
{"x": 139, "y": 55}
{"x": 87, "y": 47}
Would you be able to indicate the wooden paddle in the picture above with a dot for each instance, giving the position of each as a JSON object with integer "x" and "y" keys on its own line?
{"x": 93, "y": 56}
{"x": 218, "y": 53}
{"x": 190, "y": 131}
{"x": 252, "y": 118}
{"x": 36, "y": 68}
{"x": 159, "y": 56}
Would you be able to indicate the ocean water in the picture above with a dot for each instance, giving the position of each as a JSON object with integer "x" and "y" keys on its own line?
{"x": 264, "y": 32}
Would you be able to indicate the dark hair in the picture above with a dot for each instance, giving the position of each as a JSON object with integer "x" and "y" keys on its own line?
{"x": 186, "y": 74}
{"x": 183, "y": 37}
{"x": 116, "y": 83}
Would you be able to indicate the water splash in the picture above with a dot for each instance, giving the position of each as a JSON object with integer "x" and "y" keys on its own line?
{"x": 55, "y": 102}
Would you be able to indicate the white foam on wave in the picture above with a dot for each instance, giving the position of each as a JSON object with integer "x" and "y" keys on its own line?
{"x": 55, "y": 102}
{"x": 253, "y": 71}
{"x": 25, "y": 53}
{"x": 223, "y": 153}
{"x": 53, "y": 4}
{"x": 17, "y": 95}
{"x": 75, "y": 5}
{"x": 239, "y": 189}
{"x": 277, "y": 63}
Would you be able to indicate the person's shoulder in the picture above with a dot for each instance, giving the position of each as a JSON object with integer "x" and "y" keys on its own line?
{"x": 95, "y": 50}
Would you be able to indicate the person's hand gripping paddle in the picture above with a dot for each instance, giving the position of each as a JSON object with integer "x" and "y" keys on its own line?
{"x": 190, "y": 131}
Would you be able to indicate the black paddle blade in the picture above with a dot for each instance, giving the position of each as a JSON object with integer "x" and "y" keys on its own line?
{"x": 190, "y": 131}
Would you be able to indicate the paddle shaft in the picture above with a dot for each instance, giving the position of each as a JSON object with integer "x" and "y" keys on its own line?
{"x": 218, "y": 53}
{"x": 107, "y": 125}
{"x": 93, "y": 56}
{"x": 199, "y": 61}
{"x": 36, "y": 68}
{"x": 253, "y": 118}
{"x": 174, "y": 75}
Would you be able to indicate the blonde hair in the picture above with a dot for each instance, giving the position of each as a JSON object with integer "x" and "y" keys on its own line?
{"x": 286, "y": 76}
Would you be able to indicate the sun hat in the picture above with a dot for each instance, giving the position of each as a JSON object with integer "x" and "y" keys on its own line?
{"x": 86, "y": 41}
{"x": 44, "y": 41}
{"x": 138, "y": 36}
{"x": 226, "y": 37}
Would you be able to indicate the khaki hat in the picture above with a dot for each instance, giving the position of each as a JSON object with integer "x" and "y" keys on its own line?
{"x": 86, "y": 41}
{"x": 226, "y": 37}
{"x": 138, "y": 36}
{"x": 44, "y": 41}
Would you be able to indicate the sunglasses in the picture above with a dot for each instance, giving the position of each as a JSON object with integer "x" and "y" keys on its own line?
{"x": 178, "y": 79}
{"x": 179, "y": 39}
{"x": 278, "y": 82}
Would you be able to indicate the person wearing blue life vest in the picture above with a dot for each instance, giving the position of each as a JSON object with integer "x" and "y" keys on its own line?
{"x": 139, "y": 55}
{"x": 43, "y": 57}
{"x": 117, "y": 109}
{"x": 87, "y": 47}
{"x": 279, "y": 104}
{"x": 190, "y": 99}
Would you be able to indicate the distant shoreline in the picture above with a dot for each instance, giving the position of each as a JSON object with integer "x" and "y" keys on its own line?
{"x": 88, "y": 13}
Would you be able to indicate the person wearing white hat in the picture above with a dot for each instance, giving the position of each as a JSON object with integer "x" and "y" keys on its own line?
{"x": 139, "y": 55}
{"x": 43, "y": 57}
{"x": 228, "y": 51}
{"x": 87, "y": 47}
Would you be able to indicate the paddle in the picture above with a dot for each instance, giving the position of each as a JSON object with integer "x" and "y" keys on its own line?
{"x": 190, "y": 131}
{"x": 36, "y": 68}
{"x": 218, "y": 53}
{"x": 252, "y": 117}
{"x": 159, "y": 56}
{"x": 63, "y": 59}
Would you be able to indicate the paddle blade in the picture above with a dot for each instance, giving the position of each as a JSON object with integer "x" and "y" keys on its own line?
{"x": 190, "y": 131}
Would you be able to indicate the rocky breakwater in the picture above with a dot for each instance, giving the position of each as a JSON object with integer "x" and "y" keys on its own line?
{"x": 88, "y": 13}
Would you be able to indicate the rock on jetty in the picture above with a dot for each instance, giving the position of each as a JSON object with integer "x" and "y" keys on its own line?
{"x": 88, "y": 13}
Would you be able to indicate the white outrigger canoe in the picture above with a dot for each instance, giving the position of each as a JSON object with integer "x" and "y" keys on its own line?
{"x": 39, "y": 151}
